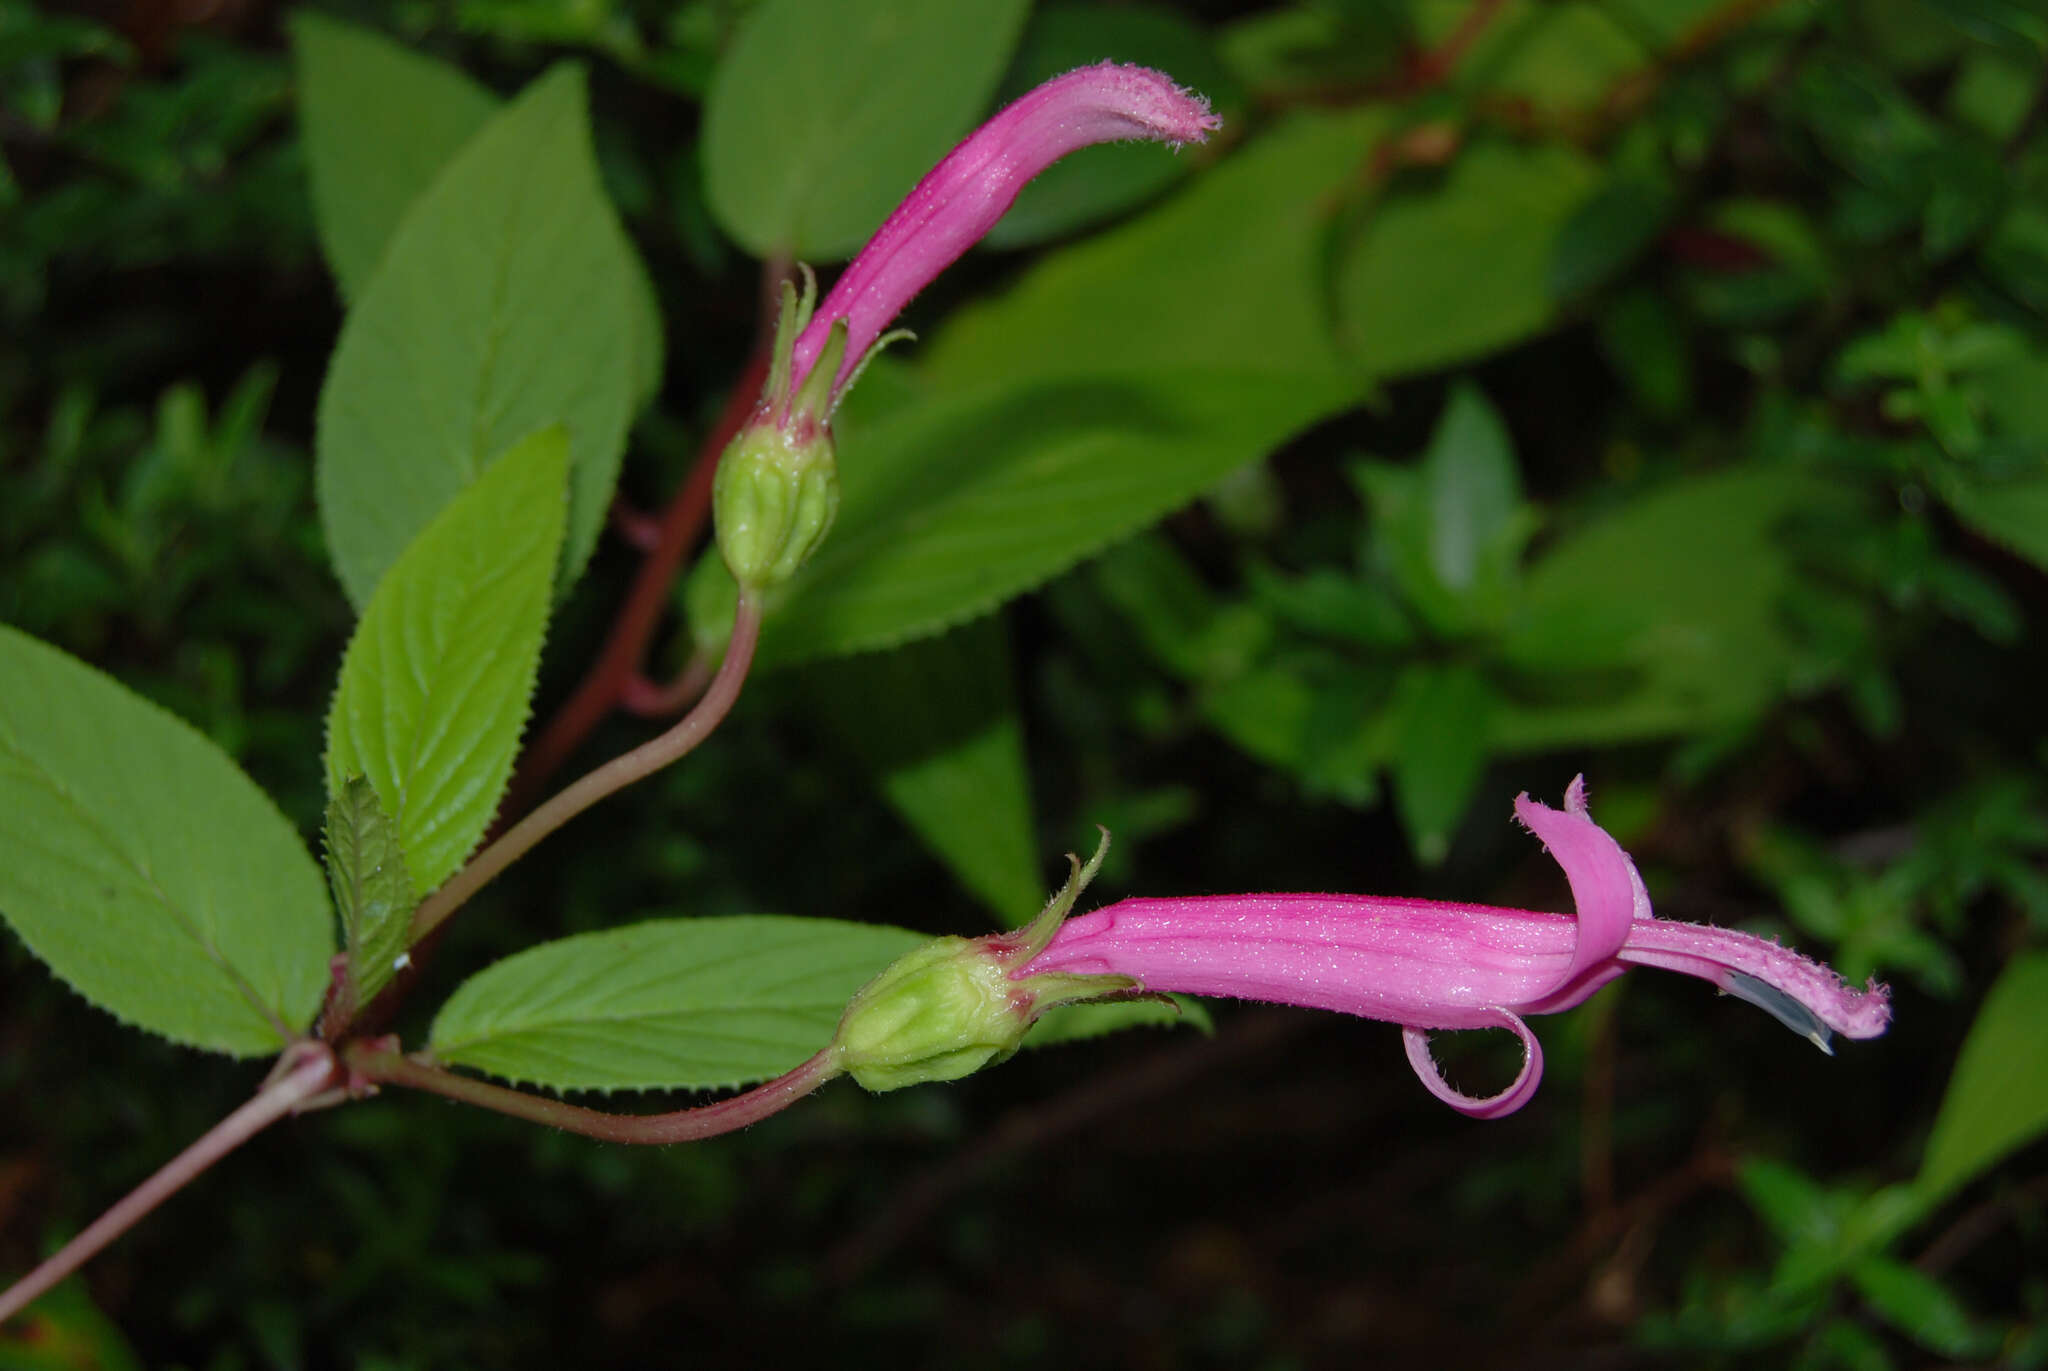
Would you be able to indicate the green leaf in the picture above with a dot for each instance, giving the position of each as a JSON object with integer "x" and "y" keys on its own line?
{"x": 1474, "y": 491}
{"x": 1608, "y": 232}
{"x": 1444, "y": 712}
{"x": 1800, "y": 1212}
{"x": 1099, "y": 182}
{"x": 1188, "y": 628}
{"x": 695, "y": 1003}
{"x": 936, "y": 723}
{"x": 145, "y": 868}
{"x": 1230, "y": 274}
{"x": 2012, "y": 513}
{"x": 1554, "y": 59}
{"x": 1452, "y": 529}
{"x": 824, "y": 113}
{"x": 438, "y": 678}
{"x": 1671, "y": 609}
{"x": 948, "y": 508}
{"x": 379, "y": 121}
{"x": 1997, "y": 1096}
{"x": 1922, "y": 1308}
{"x": 1453, "y": 266}
{"x": 372, "y": 891}
{"x": 503, "y": 304}
{"x": 1074, "y": 1023}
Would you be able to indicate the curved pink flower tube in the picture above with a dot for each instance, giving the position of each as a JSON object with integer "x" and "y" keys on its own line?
{"x": 962, "y": 197}
{"x": 1427, "y": 965}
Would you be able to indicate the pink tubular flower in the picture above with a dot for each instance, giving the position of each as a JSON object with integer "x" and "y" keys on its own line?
{"x": 777, "y": 488}
{"x": 961, "y": 198}
{"x": 1427, "y": 965}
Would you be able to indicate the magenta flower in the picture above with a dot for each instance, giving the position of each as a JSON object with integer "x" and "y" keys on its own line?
{"x": 962, "y": 197}
{"x": 1427, "y": 965}
{"x": 777, "y": 489}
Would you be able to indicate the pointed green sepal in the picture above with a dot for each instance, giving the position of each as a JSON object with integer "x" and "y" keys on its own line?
{"x": 813, "y": 403}
{"x": 1034, "y": 937}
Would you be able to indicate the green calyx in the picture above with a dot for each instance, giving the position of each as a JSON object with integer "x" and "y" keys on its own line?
{"x": 773, "y": 501}
{"x": 949, "y": 1008}
{"x": 777, "y": 488}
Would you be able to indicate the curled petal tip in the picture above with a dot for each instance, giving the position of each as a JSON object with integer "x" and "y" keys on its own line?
{"x": 1496, "y": 1106}
{"x": 1149, "y": 100}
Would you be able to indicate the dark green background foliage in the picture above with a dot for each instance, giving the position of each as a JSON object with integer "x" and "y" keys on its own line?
{"x": 1653, "y": 388}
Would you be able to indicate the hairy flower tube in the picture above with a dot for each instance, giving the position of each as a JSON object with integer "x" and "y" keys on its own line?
{"x": 776, "y": 491}
{"x": 1427, "y": 965}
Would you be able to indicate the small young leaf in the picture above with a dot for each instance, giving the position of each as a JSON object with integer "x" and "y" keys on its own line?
{"x": 379, "y": 122}
{"x": 1800, "y": 1212}
{"x": 936, "y": 723}
{"x": 1922, "y": 1308}
{"x": 687, "y": 1003}
{"x": 145, "y": 868}
{"x": 824, "y": 113}
{"x": 503, "y": 304}
{"x": 372, "y": 891}
{"x": 1445, "y": 714}
{"x": 437, "y": 680}
{"x": 1998, "y": 1093}
{"x": 1451, "y": 529}
{"x": 1474, "y": 491}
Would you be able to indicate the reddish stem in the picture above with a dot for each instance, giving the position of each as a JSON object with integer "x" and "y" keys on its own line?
{"x": 625, "y": 648}
{"x": 307, "y": 1069}
{"x": 665, "y": 699}
{"x": 1433, "y": 66}
{"x": 684, "y": 1125}
{"x": 615, "y": 775}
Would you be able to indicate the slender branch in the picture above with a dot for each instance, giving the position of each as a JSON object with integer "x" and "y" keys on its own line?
{"x": 613, "y": 776}
{"x": 1432, "y": 67}
{"x": 665, "y": 699}
{"x": 390, "y": 1067}
{"x": 312, "y": 1073}
{"x": 625, "y": 647}
{"x": 672, "y": 537}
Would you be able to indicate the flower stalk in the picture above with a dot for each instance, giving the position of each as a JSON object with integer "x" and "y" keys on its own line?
{"x": 382, "y": 1063}
{"x": 305, "y": 1073}
{"x": 614, "y": 776}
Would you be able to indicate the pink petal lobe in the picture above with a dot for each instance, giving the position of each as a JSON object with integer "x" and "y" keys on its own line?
{"x": 964, "y": 195}
{"x": 1810, "y": 996}
{"x": 1606, "y": 890}
{"x": 1495, "y": 1106}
